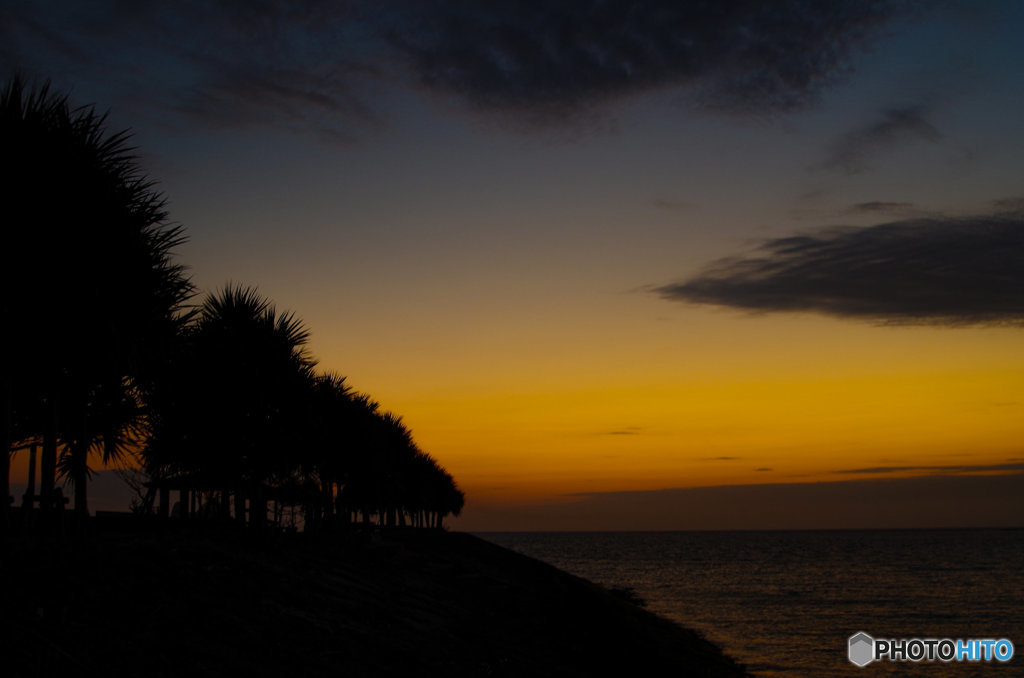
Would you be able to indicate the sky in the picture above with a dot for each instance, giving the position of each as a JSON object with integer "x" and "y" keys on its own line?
{"x": 618, "y": 265}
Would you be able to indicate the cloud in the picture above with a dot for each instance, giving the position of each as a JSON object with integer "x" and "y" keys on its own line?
{"x": 763, "y": 469}
{"x": 893, "y": 127}
{"x": 221, "y": 63}
{"x": 965, "y": 271}
{"x": 928, "y": 501}
{"x": 721, "y": 458}
{"x": 274, "y": 96}
{"x": 317, "y": 63}
{"x": 665, "y": 204}
{"x": 1015, "y": 204}
{"x": 882, "y": 207}
{"x": 548, "y": 60}
{"x": 983, "y": 468}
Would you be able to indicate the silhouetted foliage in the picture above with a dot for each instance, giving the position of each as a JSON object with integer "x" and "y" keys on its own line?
{"x": 234, "y": 398}
{"x": 220, "y": 403}
{"x": 92, "y": 292}
{"x": 241, "y": 418}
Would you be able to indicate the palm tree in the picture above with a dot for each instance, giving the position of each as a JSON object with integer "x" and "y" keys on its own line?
{"x": 231, "y": 411}
{"x": 437, "y": 494}
{"x": 328, "y": 441}
{"x": 89, "y": 251}
{"x": 356, "y": 492}
{"x": 452, "y": 499}
{"x": 109, "y": 419}
{"x": 393, "y": 450}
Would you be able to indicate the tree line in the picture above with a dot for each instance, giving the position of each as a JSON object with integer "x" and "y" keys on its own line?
{"x": 218, "y": 403}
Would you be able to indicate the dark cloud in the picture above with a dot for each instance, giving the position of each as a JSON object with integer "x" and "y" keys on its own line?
{"x": 628, "y": 431}
{"x": 927, "y": 501}
{"x": 552, "y": 59}
{"x": 881, "y": 207}
{"x": 967, "y": 271}
{"x": 281, "y": 63}
{"x": 1015, "y": 204}
{"x": 664, "y": 204}
{"x": 894, "y": 127}
{"x": 316, "y": 62}
{"x": 763, "y": 469}
{"x": 276, "y": 97}
{"x": 721, "y": 458}
{"x": 984, "y": 468}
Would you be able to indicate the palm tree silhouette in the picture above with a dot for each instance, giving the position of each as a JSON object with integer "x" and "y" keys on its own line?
{"x": 228, "y": 412}
{"x": 328, "y": 445}
{"x": 109, "y": 419}
{"x": 88, "y": 250}
{"x": 388, "y": 478}
{"x": 107, "y": 357}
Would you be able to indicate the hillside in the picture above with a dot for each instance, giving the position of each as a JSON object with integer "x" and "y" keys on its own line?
{"x": 411, "y": 603}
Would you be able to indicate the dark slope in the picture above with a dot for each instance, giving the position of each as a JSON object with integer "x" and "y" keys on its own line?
{"x": 407, "y": 604}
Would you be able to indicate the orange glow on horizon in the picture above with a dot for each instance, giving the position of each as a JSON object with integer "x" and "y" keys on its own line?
{"x": 712, "y": 415}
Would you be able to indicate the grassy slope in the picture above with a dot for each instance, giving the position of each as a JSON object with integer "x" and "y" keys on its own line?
{"x": 444, "y": 604}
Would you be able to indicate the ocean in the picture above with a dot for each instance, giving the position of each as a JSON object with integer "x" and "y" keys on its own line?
{"x": 786, "y": 603}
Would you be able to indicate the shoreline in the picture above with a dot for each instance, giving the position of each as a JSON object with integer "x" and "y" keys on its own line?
{"x": 397, "y": 603}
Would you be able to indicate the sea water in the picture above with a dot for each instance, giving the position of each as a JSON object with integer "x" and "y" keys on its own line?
{"x": 786, "y": 603}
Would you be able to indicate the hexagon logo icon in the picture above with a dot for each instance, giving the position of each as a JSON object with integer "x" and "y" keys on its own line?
{"x": 862, "y": 649}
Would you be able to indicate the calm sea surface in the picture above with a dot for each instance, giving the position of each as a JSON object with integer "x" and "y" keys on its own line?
{"x": 785, "y": 603}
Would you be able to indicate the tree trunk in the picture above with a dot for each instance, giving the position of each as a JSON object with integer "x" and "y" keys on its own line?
{"x": 30, "y": 492}
{"x": 258, "y": 507}
{"x": 165, "y": 501}
{"x": 240, "y": 506}
{"x": 79, "y": 451}
{"x": 48, "y": 464}
{"x": 310, "y": 516}
{"x": 6, "y": 405}
{"x": 328, "y": 502}
{"x": 79, "y": 476}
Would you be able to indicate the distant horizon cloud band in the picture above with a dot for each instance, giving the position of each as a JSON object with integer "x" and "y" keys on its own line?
{"x": 927, "y": 501}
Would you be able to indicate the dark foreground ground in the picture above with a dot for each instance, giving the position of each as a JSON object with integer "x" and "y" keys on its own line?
{"x": 407, "y": 604}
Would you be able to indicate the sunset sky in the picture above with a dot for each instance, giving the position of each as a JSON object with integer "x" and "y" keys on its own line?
{"x": 621, "y": 265}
